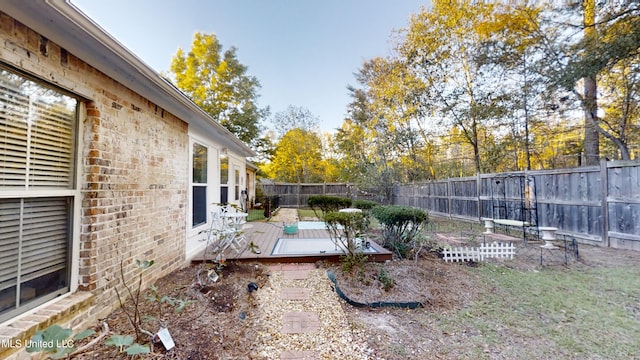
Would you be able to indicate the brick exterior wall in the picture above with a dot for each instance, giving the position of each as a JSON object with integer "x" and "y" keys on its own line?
{"x": 133, "y": 166}
{"x": 135, "y": 160}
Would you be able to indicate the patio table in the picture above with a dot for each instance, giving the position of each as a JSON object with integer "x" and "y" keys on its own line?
{"x": 350, "y": 210}
{"x": 238, "y": 218}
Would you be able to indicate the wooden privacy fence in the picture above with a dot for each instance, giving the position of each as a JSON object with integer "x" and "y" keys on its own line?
{"x": 596, "y": 204}
{"x": 297, "y": 195}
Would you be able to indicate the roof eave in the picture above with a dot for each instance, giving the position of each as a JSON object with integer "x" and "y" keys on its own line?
{"x": 66, "y": 25}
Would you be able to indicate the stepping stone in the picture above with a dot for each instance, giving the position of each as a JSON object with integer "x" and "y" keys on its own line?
{"x": 295, "y": 274}
{"x": 287, "y": 267}
{"x": 294, "y": 294}
{"x": 299, "y": 322}
{"x": 276, "y": 267}
{"x": 299, "y": 355}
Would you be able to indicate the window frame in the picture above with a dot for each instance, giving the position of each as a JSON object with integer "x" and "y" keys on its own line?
{"x": 237, "y": 179}
{"x": 224, "y": 186}
{"x": 199, "y": 185}
{"x": 70, "y": 194}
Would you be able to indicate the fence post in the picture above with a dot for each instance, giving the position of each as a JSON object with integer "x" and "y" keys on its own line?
{"x": 478, "y": 189}
{"x": 604, "y": 182}
{"x": 449, "y": 196}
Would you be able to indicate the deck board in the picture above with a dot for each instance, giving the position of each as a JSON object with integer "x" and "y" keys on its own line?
{"x": 265, "y": 235}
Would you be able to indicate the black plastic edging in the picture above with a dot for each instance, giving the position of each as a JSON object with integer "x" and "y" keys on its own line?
{"x": 378, "y": 304}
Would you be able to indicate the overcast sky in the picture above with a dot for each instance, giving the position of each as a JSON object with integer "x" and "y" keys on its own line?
{"x": 303, "y": 52}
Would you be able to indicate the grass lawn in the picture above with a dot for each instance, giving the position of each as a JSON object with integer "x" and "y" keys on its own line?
{"x": 586, "y": 313}
{"x": 307, "y": 213}
{"x": 511, "y": 309}
{"x": 255, "y": 214}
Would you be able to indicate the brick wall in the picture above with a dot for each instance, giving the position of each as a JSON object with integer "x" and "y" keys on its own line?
{"x": 134, "y": 191}
{"x": 133, "y": 167}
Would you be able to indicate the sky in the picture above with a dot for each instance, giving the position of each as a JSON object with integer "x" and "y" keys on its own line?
{"x": 303, "y": 52}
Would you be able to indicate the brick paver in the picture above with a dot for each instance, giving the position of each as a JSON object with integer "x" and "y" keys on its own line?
{"x": 299, "y": 355}
{"x": 290, "y": 267}
{"x": 295, "y": 274}
{"x": 298, "y": 322}
{"x": 294, "y": 294}
{"x": 307, "y": 266}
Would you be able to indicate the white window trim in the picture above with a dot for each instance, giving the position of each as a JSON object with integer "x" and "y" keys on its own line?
{"x": 212, "y": 183}
{"x": 77, "y": 201}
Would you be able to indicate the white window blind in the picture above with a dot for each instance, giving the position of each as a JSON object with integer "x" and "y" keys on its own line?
{"x": 36, "y": 135}
{"x": 37, "y": 153}
{"x": 51, "y": 155}
{"x": 14, "y": 137}
{"x": 9, "y": 228}
{"x": 44, "y": 237}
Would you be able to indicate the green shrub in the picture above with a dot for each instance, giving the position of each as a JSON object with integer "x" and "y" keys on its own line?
{"x": 365, "y": 204}
{"x": 344, "y": 229}
{"x": 327, "y": 203}
{"x": 386, "y": 279}
{"x": 345, "y": 224}
{"x": 402, "y": 225}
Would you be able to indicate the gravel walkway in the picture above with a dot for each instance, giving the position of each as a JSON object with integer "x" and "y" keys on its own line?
{"x": 285, "y": 215}
{"x": 303, "y": 318}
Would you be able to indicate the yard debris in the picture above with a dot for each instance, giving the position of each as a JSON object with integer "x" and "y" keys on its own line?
{"x": 252, "y": 287}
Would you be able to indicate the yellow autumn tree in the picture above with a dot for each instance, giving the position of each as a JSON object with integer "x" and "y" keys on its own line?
{"x": 217, "y": 82}
{"x": 298, "y": 158}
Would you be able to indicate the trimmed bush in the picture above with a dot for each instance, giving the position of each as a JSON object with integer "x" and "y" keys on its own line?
{"x": 327, "y": 203}
{"x": 402, "y": 225}
{"x": 365, "y": 204}
{"x": 353, "y": 223}
{"x": 344, "y": 229}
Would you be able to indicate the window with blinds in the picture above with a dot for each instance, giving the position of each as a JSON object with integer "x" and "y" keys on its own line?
{"x": 37, "y": 167}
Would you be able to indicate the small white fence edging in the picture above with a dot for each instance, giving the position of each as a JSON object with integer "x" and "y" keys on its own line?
{"x": 485, "y": 251}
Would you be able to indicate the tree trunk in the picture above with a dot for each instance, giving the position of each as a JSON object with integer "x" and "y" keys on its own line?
{"x": 591, "y": 137}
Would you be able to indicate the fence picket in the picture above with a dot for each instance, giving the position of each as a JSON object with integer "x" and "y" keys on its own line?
{"x": 485, "y": 251}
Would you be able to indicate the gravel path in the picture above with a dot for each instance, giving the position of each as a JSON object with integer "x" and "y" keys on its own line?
{"x": 303, "y": 318}
{"x": 287, "y": 215}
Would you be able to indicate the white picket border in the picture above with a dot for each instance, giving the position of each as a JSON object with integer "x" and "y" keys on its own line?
{"x": 485, "y": 251}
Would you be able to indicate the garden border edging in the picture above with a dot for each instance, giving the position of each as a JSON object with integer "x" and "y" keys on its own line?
{"x": 377, "y": 304}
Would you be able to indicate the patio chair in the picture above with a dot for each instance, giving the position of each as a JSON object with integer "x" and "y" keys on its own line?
{"x": 225, "y": 231}
{"x": 220, "y": 236}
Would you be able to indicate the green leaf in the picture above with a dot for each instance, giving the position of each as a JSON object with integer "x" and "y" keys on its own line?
{"x": 167, "y": 299}
{"x": 40, "y": 340}
{"x": 144, "y": 264}
{"x": 36, "y": 339}
{"x": 137, "y": 349}
{"x": 181, "y": 305}
{"x": 61, "y": 353}
{"x": 119, "y": 340}
{"x": 84, "y": 334}
{"x": 57, "y": 333}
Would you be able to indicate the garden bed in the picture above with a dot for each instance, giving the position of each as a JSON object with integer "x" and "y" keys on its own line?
{"x": 500, "y": 310}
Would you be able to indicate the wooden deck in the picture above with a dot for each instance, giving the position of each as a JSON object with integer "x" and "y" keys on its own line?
{"x": 265, "y": 235}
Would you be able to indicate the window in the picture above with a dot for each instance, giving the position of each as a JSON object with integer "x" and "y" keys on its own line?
{"x": 224, "y": 178}
{"x": 199, "y": 182}
{"x": 37, "y": 171}
{"x": 236, "y": 181}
